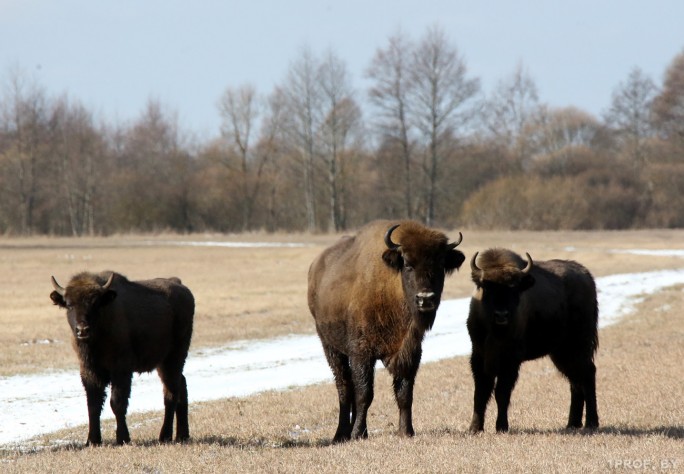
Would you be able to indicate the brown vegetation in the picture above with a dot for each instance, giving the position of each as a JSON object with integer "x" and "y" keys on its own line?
{"x": 305, "y": 158}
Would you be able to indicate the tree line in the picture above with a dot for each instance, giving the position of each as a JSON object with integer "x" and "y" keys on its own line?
{"x": 423, "y": 141}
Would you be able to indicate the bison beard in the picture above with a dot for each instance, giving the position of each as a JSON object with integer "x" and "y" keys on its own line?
{"x": 522, "y": 311}
{"x": 373, "y": 296}
{"x": 121, "y": 327}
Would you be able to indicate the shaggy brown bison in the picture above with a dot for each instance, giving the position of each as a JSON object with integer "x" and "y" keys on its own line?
{"x": 374, "y": 299}
{"x": 522, "y": 311}
{"x": 120, "y": 327}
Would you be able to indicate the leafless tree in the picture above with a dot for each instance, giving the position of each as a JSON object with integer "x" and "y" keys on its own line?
{"x": 556, "y": 136}
{"x": 389, "y": 94}
{"x": 241, "y": 111}
{"x": 302, "y": 98}
{"x": 630, "y": 116}
{"x": 511, "y": 107}
{"x": 342, "y": 117}
{"x": 24, "y": 150}
{"x": 668, "y": 106}
{"x": 441, "y": 96}
{"x": 77, "y": 145}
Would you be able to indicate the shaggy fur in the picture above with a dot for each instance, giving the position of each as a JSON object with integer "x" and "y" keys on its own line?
{"x": 517, "y": 316}
{"x": 129, "y": 327}
{"x": 372, "y": 302}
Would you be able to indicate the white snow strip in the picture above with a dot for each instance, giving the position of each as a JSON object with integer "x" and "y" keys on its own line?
{"x": 42, "y": 403}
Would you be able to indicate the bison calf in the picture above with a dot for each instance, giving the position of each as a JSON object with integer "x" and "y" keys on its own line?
{"x": 372, "y": 297}
{"x": 522, "y": 311}
{"x": 120, "y": 327}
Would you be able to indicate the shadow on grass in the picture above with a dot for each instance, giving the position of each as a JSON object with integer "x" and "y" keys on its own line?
{"x": 672, "y": 432}
{"x": 215, "y": 440}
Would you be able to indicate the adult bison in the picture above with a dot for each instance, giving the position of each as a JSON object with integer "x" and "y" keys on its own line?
{"x": 522, "y": 311}
{"x": 120, "y": 327}
{"x": 374, "y": 299}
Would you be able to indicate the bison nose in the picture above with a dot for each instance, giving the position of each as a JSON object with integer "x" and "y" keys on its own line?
{"x": 501, "y": 317}
{"x": 426, "y": 301}
{"x": 82, "y": 331}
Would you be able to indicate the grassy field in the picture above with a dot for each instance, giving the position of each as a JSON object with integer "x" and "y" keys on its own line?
{"x": 245, "y": 293}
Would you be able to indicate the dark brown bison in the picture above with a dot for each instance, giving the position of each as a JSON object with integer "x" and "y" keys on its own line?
{"x": 522, "y": 311}
{"x": 120, "y": 327}
{"x": 374, "y": 299}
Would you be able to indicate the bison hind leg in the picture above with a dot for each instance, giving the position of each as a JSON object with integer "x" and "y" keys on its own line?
{"x": 339, "y": 364}
{"x": 175, "y": 402}
{"x": 581, "y": 373}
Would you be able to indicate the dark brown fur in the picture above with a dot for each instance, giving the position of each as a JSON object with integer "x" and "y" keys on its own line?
{"x": 365, "y": 300}
{"x": 125, "y": 328}
{"x": 516, "y": 316}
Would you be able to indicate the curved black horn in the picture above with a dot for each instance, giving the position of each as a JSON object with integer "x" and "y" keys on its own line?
{"x": 388, "y": 238}
{"x": 58, "y": 288}
{"x": 109, "y": 282}
{"x": 473, "y": 266}
{"x": 528, "y": 267}
{"x": 453, "y": 245}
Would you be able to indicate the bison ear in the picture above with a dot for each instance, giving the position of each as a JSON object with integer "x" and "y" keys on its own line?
{"x": 393, "y": 259}
{"x": 108, "y": 297}
{"x": 526, "y": 283}
{"x": 58, "y": 299}
{"x": 454, "y": 260}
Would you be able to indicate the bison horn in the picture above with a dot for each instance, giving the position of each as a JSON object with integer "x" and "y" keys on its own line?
{"x": 388, "y": 238}
{"x": 58, "y": 288}
{"x": 109, "y": 282}
{"x": 528, "y": 267}
{"x": 473, "y": 266}
{"x": 453, "y": 245}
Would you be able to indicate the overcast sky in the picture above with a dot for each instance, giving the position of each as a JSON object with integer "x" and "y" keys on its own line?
{"x": 115, "y": 55}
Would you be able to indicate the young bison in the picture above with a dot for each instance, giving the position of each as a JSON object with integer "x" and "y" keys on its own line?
{"x": 374, "y": 299}
{"x": 522, "y": 311}
{"x": 120, "y": 327}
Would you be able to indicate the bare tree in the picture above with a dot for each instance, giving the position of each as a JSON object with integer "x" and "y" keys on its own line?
{"x": 76, "y": 145}
{"x": 511, "y": 107}
{"x": 389, "y": 94}
{"x": 240, "y": 110}
{"x": 668, "y": 106}
{"x": 342, "y": 116}
{"x": 153, "y": 178}
{"x": 554, "y": 137}
{"x": 441, "y": 95}
{"x": 24, "y": 149}
{"x": 629, "y": 115}
{"x": 302, "y": 94}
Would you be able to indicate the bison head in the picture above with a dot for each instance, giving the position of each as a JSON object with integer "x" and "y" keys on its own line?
{"x": 500, "y": 282}
{"x": 83, "y": 298}
{"x": 424, "y": 258}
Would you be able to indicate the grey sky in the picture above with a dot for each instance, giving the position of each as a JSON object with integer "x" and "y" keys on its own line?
{"x": 115, "y": 55}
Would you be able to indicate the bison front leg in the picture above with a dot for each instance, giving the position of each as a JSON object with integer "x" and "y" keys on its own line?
{"x": 484, "y": 385}
{"x": 95, "y": 396}
{"x": 339, "y": 364}
{"x": 121, "y": 391}
{"x": 504, "y": 387}
{"x": 362, "y": 371}
{"x": 403, "y": 392}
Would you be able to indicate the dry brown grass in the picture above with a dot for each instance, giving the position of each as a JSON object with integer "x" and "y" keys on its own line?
{"x": 261, "y": 292}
